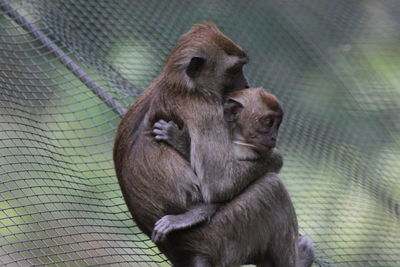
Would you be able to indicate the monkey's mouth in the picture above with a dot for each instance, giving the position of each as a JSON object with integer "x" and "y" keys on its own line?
{"x": 242, "y": 143}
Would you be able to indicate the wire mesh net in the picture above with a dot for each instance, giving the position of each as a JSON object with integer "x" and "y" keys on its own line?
{"x": 69, "y": 68}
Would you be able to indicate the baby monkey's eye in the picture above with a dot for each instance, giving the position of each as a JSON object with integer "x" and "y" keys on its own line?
{"x": 267, "y": 121}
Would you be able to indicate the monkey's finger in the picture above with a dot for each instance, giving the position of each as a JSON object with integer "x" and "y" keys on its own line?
{"x": 165, "y": 220}
{"x": 158, "y": 131}
{"x": 160, "y": 138}
{"x": 160, "y": 226}
{"x": 158, "y": 223}
{"x": 154, "y": 237}
{"x": 160, "y": 124}
{"x": 164, "y": 228}
{"x": 171, "y": 123}
{"x": 158, "y": 237}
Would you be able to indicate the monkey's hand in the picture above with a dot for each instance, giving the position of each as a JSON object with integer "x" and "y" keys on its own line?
{"x": 306, "y": 252}
{"x": 165, "y": 131}
{"x": 170, "y": 133}
{"x": 194, "y": 216}
{"x": 164, "y": 226}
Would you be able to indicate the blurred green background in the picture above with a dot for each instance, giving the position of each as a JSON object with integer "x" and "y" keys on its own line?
{"x": 334, "y": 64}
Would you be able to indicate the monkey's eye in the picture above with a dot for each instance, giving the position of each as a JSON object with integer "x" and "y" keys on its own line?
{"x": 267, "y": 122}
{"x": 234, "y": 70}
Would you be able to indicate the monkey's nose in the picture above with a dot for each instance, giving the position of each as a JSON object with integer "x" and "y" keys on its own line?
{"x": 272, "y": 141}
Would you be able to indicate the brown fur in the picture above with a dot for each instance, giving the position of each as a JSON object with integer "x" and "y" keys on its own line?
{"x": 156, "y": 180}
{"x": 258, "y": 96}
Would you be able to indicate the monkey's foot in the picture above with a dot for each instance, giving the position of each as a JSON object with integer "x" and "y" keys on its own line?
{"x": 306, "y": 251}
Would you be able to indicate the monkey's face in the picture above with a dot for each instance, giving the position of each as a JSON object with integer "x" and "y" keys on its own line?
{"x": 219, "y": 73}
{"x": 206, "y": 61}
{"x": 254, "y": 117}
{"x": 260, "y": 129}
{"x": 266, "y": 129}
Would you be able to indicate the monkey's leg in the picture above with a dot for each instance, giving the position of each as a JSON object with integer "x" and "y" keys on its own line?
{"x": 168, "y": 223}
{"x": 244, "y": 229}
{"x": 306, "y": 255}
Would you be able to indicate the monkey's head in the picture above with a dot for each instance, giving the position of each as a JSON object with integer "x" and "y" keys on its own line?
{"x": 254, "y": 117}
{"x": 206, "y": 61}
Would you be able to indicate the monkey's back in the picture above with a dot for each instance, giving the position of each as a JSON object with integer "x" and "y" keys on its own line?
{"x": 155, "y": 180}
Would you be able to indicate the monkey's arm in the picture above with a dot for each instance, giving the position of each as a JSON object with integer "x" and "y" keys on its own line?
{"x": 168, "y": 223}
{"x": 170, "y": 133}
{"x": 179, "y": 139}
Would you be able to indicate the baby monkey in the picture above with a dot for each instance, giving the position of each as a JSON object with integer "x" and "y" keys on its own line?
{"x": 253, "y": 117}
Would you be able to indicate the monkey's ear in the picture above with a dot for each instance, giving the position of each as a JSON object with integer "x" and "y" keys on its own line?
{"x": 195, "y": 66}
{"x": 232, "y": 108}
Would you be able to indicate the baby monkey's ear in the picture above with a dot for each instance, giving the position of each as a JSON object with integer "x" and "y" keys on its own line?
{"x": 232, "y": 109}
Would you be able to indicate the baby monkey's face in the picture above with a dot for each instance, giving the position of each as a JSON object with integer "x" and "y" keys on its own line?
{"x": 260, "y": 129}
{"x": 254, "y": 117}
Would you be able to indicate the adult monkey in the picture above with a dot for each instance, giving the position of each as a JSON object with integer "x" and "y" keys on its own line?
{"x": 156, "y": 180}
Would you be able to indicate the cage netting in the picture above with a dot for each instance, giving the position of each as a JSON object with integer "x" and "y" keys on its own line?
{"x": 70, "y": 68}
